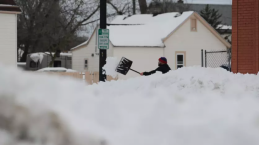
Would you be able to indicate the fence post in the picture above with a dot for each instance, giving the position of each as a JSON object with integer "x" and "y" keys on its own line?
{"x": 229, "y": 58}
{"x": 202, "y": 58}
{"x": 205, "y": 58}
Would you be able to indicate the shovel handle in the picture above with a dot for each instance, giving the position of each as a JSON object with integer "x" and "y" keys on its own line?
{"x": 135, "y": 71}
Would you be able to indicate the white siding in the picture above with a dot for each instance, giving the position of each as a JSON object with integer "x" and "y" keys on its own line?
{"x": 8, "y": 39}
{"x": 144, "y": 59}
{"x": 85, "y": 52}
{"x": 192, "y": 42}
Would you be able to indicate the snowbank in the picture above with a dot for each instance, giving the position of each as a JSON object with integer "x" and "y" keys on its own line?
{"x": 56, "y": 69}
{"x": 190, "y": 106}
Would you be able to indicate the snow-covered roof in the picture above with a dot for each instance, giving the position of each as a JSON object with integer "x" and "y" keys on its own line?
{"x": 225, "y": 27}
{"x": 61, "y": 54}
{"x": 145, "y": 30}
{"x": 39, "y": 55}
{"x": 66, "y": 54}
{"x": 148, "y": 30}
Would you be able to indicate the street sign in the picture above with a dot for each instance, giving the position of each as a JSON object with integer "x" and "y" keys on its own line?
{"x": 103, "y": 39}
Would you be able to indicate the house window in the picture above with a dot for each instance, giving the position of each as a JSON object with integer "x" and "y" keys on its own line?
{"x": 86, "y": 63}
{"x": 193, "y": 25}
{"x": 180, "y": 59}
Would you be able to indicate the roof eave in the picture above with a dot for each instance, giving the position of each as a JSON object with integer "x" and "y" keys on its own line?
{"x": 86, "y": 43}
{"x": 10, "y": 12}
{"x": 13, "y": 9}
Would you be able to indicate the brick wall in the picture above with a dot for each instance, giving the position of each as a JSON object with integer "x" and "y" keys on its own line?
{"x": 245, "y": 36}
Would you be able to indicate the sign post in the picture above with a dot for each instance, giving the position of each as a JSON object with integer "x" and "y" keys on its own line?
{"x": 103, "y": 52}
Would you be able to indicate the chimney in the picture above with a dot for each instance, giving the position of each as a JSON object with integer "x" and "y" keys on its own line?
{"x": 180, "y": 1}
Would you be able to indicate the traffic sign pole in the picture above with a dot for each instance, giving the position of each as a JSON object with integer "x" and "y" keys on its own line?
{"x": 103, "y": 52}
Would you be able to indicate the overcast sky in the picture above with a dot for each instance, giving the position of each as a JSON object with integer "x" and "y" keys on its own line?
{"x": 206, "y": 1}
{"x": 210, "y": 1}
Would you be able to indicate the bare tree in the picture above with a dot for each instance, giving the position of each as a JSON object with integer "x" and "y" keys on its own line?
{"x": 120, "y": 7}
{"x": 164, "y": 6}
{"x": 212, "y": 16}
{"x": 52, "y": 25}
{"x": 143, "y": 6}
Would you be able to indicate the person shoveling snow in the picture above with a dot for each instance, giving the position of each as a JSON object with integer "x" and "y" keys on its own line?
{"x": 113, "y": 66}
{"x": 125, "y": 64}
{"x": 162, "y": 67}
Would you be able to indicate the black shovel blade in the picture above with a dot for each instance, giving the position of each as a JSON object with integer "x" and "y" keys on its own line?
{"x": 124, "y": 66}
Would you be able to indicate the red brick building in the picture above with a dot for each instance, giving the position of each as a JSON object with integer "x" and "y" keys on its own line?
{"x": 245, "y": 36}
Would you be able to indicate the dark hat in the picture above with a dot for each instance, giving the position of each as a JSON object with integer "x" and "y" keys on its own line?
{"x": 163, "y": 60}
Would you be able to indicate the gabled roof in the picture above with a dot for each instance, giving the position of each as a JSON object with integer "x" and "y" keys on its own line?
{"x": 148, "y": 30}
{"x": 9, "y": 6}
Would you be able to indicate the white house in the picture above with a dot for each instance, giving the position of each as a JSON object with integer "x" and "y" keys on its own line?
{"x": 8, "y": 32}
{"x": 145, "y": 38}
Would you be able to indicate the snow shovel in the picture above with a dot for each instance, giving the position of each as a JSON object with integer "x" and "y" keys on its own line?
{"x": 124, "y": 66}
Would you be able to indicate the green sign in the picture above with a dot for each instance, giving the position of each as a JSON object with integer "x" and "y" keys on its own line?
{"x": 103, "y": 39}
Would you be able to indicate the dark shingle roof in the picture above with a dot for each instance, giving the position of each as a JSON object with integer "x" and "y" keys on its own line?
{"x": 7, "y": 2}
{"x": 9, "y": 5}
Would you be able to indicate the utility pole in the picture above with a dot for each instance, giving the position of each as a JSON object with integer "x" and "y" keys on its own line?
{"x": 103, "y": 52}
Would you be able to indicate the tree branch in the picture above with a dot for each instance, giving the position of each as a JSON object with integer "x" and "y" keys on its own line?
{"x": 84, "y": 20}
{"x": 114, "y": 7}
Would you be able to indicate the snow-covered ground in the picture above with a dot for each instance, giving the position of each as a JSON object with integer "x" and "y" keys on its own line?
{"x": 56, "y": 69}
{"x": 190, "y": 106}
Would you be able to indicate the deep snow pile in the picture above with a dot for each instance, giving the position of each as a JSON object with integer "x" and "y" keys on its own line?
{"x": 190, "y": 106}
